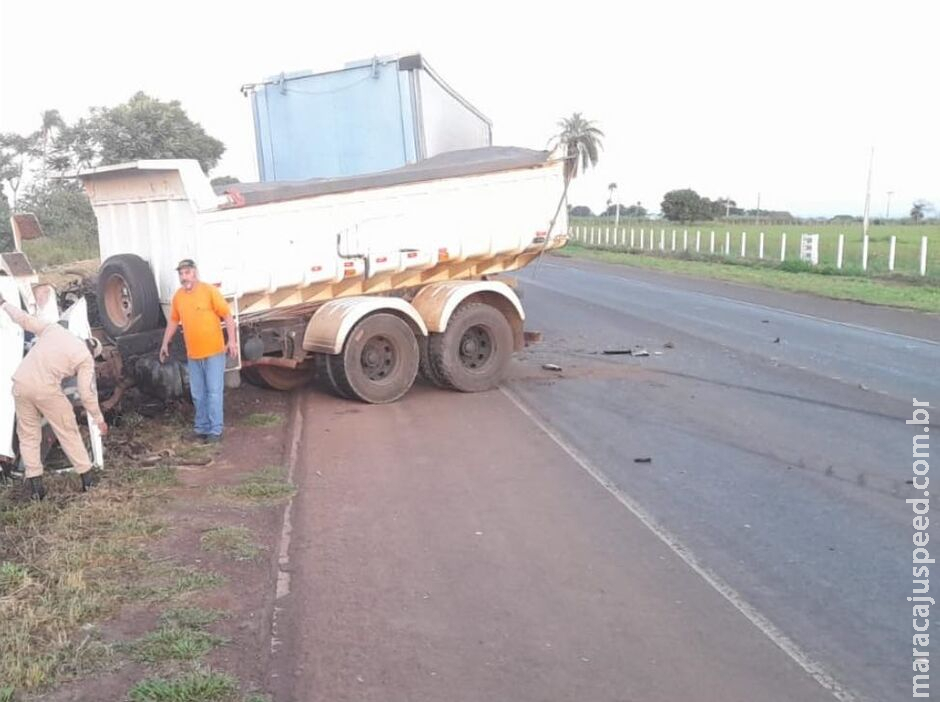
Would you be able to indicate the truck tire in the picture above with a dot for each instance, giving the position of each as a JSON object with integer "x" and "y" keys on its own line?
{"x": 426, "y": 368}
{"x": 379, "y": 361}
{"x": 472, "y": 354}
{"x": 324, "y": 365}
{"x": 127, "y": 296}
{"x": 277, "y": 378}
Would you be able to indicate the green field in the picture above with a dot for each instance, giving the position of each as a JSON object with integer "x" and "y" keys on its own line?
{"x": 907, "y": 255}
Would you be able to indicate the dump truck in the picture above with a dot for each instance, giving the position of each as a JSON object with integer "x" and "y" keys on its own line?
{"x": 365, "y": 281}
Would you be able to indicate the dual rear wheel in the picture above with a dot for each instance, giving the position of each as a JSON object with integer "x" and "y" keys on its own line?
{"x": 382, "y": 356}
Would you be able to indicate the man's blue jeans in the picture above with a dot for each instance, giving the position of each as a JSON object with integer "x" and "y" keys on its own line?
{"x": 206, "y": 383}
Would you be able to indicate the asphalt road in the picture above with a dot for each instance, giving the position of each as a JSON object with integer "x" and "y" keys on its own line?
{"x": 508, "y": 546}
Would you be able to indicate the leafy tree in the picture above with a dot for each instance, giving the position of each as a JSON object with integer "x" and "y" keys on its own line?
{"x": 723, "y": 207}
{"x": 62, "y": 208}
{"x": 582, "y": 142}
{"x": 222, "y": 181}
{"x": 636, "y": 211}
{"x": 142, "y": 128}
{"x": 920, "y": 209}
{"x": 15, "y": 151}
{"x": 52, "y": 124}
{"x": 580, "y": 211}
{"x": 685, "y": 206}
{"x": 6, "y": 230}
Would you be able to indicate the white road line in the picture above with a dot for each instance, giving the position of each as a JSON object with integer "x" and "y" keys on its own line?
{"x": 757, "y": 305}
{"x": 781, "y": 640}
{"x": 282, "y": 587}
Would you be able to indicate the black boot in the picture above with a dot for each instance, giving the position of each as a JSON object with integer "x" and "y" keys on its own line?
{"x": 37, "y": 491}
{"x": 89, "y": 480}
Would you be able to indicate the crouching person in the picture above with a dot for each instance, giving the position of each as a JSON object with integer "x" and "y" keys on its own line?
{"x": 57, "y": 354}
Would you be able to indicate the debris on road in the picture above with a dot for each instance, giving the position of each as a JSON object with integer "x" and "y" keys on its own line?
{"x": 765, "y": 321}
{"x": 643, "y": 459}
{"x": 669, "y": 345}
{"x": 635, "y": 351}
{"x": 777, "y": 340}
{"x": 551, "y": 367}
{"x": 862, "y": 386}
{"x": 532, "y": 337}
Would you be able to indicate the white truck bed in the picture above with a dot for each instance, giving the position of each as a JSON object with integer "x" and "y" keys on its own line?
{"x": 456, "y": 216}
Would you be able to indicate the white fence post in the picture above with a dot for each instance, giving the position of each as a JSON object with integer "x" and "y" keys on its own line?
{"x": 607, "y": 237}
{"x": 865, "y": 252}
{"x": 840, "y": 251}
{"x": 698, "y": 240}
{"x": 673, "y": 239}
{"x": 760, "y": 247}
{"x": 891, "y": 249}
{"x": 923, "y": 256}
{"x": 783, "y": 247}
{"x": 711, "y": 243}
{"x": 685, "y": 239}
{"x": 727, "y": 243}
{"x": 631, "y": 237}
{"x": 641, "y": 238}
{"x": 662, "y": 239}
{"x": 743, "y": 244}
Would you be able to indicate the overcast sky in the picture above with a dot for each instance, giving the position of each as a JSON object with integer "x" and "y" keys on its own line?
{"x": 785, "y": 99}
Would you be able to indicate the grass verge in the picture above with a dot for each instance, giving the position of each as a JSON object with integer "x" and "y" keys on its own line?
{"x": 171, "y": 643}
{"x": 190, "y": 617}
{"x": 234, "y": 542}
{"x": 263, "y": 419}
{"x": 197, "y": 686}
{"x": 74, "y": 559}
{"x": 265, "y": 486}
{"x": 792, "y": 276}
{"x": 58, "y": 559}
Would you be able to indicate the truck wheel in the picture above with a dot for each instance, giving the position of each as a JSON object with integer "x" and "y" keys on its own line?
{"x": 324, "y": 364}
{"x": 277, "y": 378}
{"x": 127, "y": 296}
{"x": 473, "y": 352}
{"x": 426, "y": 368}
{"x": 379, "y": 361}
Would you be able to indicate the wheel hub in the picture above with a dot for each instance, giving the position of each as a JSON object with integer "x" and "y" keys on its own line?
{"x": 378, "y": 358}
{"x": 118, "y": 300}
{"x": 476, "y": 347}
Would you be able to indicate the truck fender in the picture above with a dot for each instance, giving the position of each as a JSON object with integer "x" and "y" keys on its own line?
{"x": 436, "y": 304}
{"x": 330, "y": 325}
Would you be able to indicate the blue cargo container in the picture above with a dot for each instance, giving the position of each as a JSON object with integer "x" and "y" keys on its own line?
{"x": 369, "y": 116}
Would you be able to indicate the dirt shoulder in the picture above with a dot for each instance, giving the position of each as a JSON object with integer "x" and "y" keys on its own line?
{"x": 159, "y": 584}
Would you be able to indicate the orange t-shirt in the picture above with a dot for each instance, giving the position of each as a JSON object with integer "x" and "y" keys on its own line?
{"x": 200, "y": 311}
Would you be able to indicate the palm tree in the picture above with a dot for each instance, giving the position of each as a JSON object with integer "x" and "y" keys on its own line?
{"x": 581, "y": 140}
{"x": 51, "y": 120}
{"x": 610, "y": 201}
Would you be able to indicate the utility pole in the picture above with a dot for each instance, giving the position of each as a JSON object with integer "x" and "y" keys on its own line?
{"x": 727, "y": 206}
{"x": 888, "y": 206}
{"x": 757, "y": 215}
{"x": 871, "y": 161}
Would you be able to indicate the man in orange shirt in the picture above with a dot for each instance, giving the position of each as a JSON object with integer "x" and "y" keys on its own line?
{"x": 199, "y": 307}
